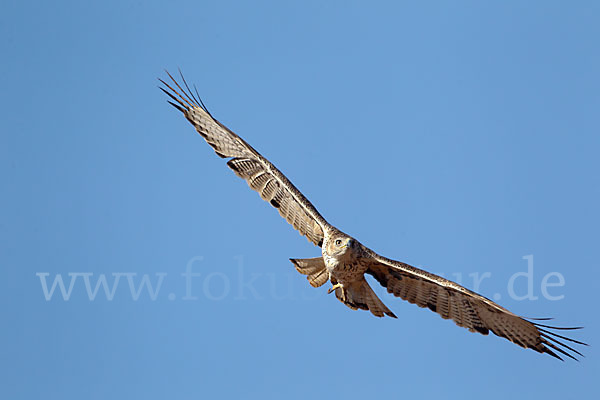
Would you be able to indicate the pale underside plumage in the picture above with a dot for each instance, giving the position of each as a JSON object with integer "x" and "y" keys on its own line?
{"x": 450, "y": 300}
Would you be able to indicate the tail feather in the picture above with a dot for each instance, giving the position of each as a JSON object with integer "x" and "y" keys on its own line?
{"x": 360, "y": 295}
{"x": 357, "y": 295}
{"x": 314, "y": 268}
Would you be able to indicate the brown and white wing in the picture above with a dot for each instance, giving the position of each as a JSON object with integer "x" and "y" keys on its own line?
{"x": 466, "y": 308}
{"x": 248, "y": 164}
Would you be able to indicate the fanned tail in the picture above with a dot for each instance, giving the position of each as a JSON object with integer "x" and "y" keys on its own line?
{"x": 314, "y": 268}
{"x": 360, "y": 295}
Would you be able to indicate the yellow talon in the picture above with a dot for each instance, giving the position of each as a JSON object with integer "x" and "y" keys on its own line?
{"x": 332, "y": 289}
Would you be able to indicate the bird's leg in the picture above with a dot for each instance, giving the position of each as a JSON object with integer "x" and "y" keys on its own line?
{"x": 332, "y": 289}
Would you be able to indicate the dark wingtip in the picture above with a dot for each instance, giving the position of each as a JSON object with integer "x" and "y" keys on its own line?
{"x": 182, "y": 93}
{"x": 189, "y": 92}
{"x": 558, "y": 327}
{"x": 553, "y": 354}
{"x": 171, "y": 95}
{"x": 176, "y": 106}
{"x": 552, "y": 341}
{"x": 546, "y": 333}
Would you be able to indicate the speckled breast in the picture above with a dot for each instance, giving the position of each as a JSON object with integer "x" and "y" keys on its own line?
{"x": 345, "y": 271}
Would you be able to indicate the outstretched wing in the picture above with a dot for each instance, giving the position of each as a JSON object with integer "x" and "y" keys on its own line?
{"x": 468, "y": 309}
{"x": 248, "y": 164}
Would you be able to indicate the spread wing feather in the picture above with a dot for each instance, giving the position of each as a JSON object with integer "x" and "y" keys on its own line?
{"x": 248, "y": 164}
{"x": 466, "y": 308}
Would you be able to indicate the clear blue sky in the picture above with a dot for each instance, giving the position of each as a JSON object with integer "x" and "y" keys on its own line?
{"x": 471, "y": 127}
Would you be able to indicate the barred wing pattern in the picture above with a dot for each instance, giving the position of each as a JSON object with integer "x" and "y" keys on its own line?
{"x": 248, "y": 164}
{"x": 466, "y": 308}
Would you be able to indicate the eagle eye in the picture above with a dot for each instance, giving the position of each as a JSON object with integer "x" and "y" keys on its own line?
{"x": 338, "y": 242}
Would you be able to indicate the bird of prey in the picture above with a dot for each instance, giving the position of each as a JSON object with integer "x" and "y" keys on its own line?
{"x": 345, "y": 261}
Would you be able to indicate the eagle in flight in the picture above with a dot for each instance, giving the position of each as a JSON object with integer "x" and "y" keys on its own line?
{"x": 345, "y": 261}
